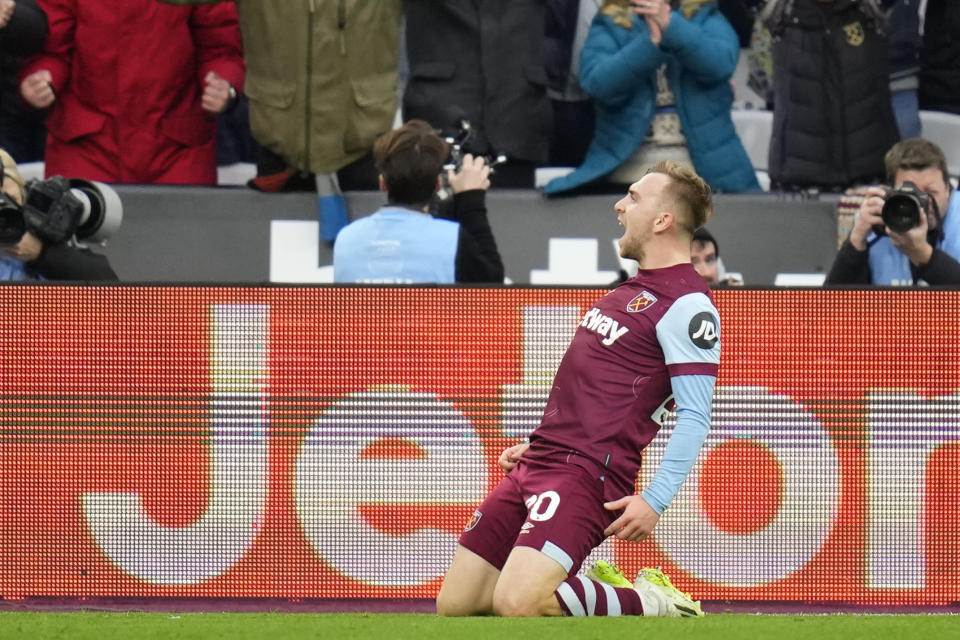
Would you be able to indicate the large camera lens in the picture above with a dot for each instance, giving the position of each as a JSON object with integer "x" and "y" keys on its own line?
{"x": 102, "y": 210}
{"x": 901, "y": 212}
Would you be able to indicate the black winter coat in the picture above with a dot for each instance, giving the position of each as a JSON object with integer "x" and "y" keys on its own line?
{"x": 483, "y": 61}
{"x": 905, "y": 42}
{"x": 21, "y": 128}
{"x": 832, "y": 121}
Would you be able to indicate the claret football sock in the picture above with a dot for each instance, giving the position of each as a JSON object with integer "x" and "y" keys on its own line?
{"x": 581, "y": 596}
{"x": 657, "y": 594}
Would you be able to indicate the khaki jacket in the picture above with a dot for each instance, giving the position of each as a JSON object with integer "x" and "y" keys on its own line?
{"x": 321, "y": 76}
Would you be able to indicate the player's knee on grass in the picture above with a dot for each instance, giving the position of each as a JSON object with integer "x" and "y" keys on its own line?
{"x": 514, "y": 603}
{"x": 454, "y": 605}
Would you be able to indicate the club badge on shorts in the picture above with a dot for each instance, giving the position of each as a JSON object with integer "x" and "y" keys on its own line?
{"x": 474, "y": 519}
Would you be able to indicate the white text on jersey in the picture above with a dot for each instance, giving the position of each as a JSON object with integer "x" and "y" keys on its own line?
{"x": 604, "y": 325}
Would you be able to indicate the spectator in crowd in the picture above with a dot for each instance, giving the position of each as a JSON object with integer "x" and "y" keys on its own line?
{"x": 905, "y": 44}
{"x": 659, "y": 76}
{"x": 23, "y": 28}
{"x": 760, "y": 65}
{"x": 322, "y": 81}
{"x": 133, "y": 87}
{"x": 928, "y": 252}
{"x": 235, "y": 143}
{"x": 482, "y": 61}
{"x": 568, "y": 22}
{"x": 741, "y": 14}
{"x": 402, "y": 243}
{"x": 31, "y": 258}
{"x": 940, "y": 57}
{"x": 832, "y": 118}
{"x": 705, "y": 256}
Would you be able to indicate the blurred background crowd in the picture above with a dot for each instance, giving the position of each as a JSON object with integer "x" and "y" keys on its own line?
{"x": 571, "y": 96}
{"x": 150, "y": 91}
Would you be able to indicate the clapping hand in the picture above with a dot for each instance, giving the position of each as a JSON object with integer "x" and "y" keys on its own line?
{"x": 657, "y": 15}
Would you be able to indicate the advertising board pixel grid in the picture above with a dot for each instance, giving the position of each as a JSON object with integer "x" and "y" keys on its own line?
{"x": 332, "y": 442}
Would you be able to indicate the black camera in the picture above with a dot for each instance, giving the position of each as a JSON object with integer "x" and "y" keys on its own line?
{"x": 903, "y": 207}
{"x": 58, "y": 209}
{"x": 12, "y": 224}
{"x": 458, "y": 145}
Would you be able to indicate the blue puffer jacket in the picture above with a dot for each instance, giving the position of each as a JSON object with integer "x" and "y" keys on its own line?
{"x": 618, "y": 69}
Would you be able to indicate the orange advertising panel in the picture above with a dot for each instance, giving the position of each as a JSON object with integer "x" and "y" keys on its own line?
{"x": 332, "y": 442}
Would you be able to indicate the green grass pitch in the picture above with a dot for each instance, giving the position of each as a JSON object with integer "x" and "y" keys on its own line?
{"x": 283, "y": 626}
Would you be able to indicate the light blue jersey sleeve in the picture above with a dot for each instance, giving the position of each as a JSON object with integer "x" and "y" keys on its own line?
{"x": 689, "y": 334}
{"x": 694, "y": 398}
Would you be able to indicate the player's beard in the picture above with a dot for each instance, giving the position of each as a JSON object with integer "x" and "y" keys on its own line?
{"x": 631, "y": 247}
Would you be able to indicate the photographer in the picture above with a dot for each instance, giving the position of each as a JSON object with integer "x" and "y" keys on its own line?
{"x": 402, "y": 243}
{"x": 923, "y": 251}
{"x": 30, "y": 258}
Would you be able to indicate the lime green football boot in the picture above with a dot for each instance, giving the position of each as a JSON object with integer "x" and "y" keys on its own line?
{"x": 608, "y": 573}
{"x": 654, "y": 584}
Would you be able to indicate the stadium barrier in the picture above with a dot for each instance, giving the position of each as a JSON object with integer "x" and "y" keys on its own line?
{"x": 229, "y": 235}
{"x": 285, "y": 442}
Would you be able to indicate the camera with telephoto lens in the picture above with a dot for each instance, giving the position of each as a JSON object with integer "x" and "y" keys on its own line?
{"x": 58, "y": 210}
{"x": 457, "y": 144}
{"x": 455, "y": 162}
{"x": 903, "y": 207}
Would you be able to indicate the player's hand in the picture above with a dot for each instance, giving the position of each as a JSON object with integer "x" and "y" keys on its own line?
{"x": 509, "y": 457}
{"x": 216, "y": 94}
{"x": 637, "y": 520}
{"x": 37, "y": 90}
{"x": 868, "y": 216}
{"x": 474, "y": 174}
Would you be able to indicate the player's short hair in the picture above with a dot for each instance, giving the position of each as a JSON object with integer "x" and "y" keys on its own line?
{"x": 410, "y": 158}
{"x": 915, "y": 154}
{"x": 690, "y": 193}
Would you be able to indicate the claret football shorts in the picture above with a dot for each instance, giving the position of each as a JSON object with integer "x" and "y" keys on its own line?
{"x": 553, "y": 507}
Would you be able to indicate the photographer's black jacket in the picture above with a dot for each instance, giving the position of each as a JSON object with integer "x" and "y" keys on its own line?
{"x": 62, "y": 262}
{"x": 853, "y": 267}
{"x": 478, "y": 259}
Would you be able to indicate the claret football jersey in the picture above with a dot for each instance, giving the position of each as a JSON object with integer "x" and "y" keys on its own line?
{"x": 613, "y": 386}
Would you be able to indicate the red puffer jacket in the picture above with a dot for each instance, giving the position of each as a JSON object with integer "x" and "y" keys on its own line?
{"x": 129, "y": 76}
